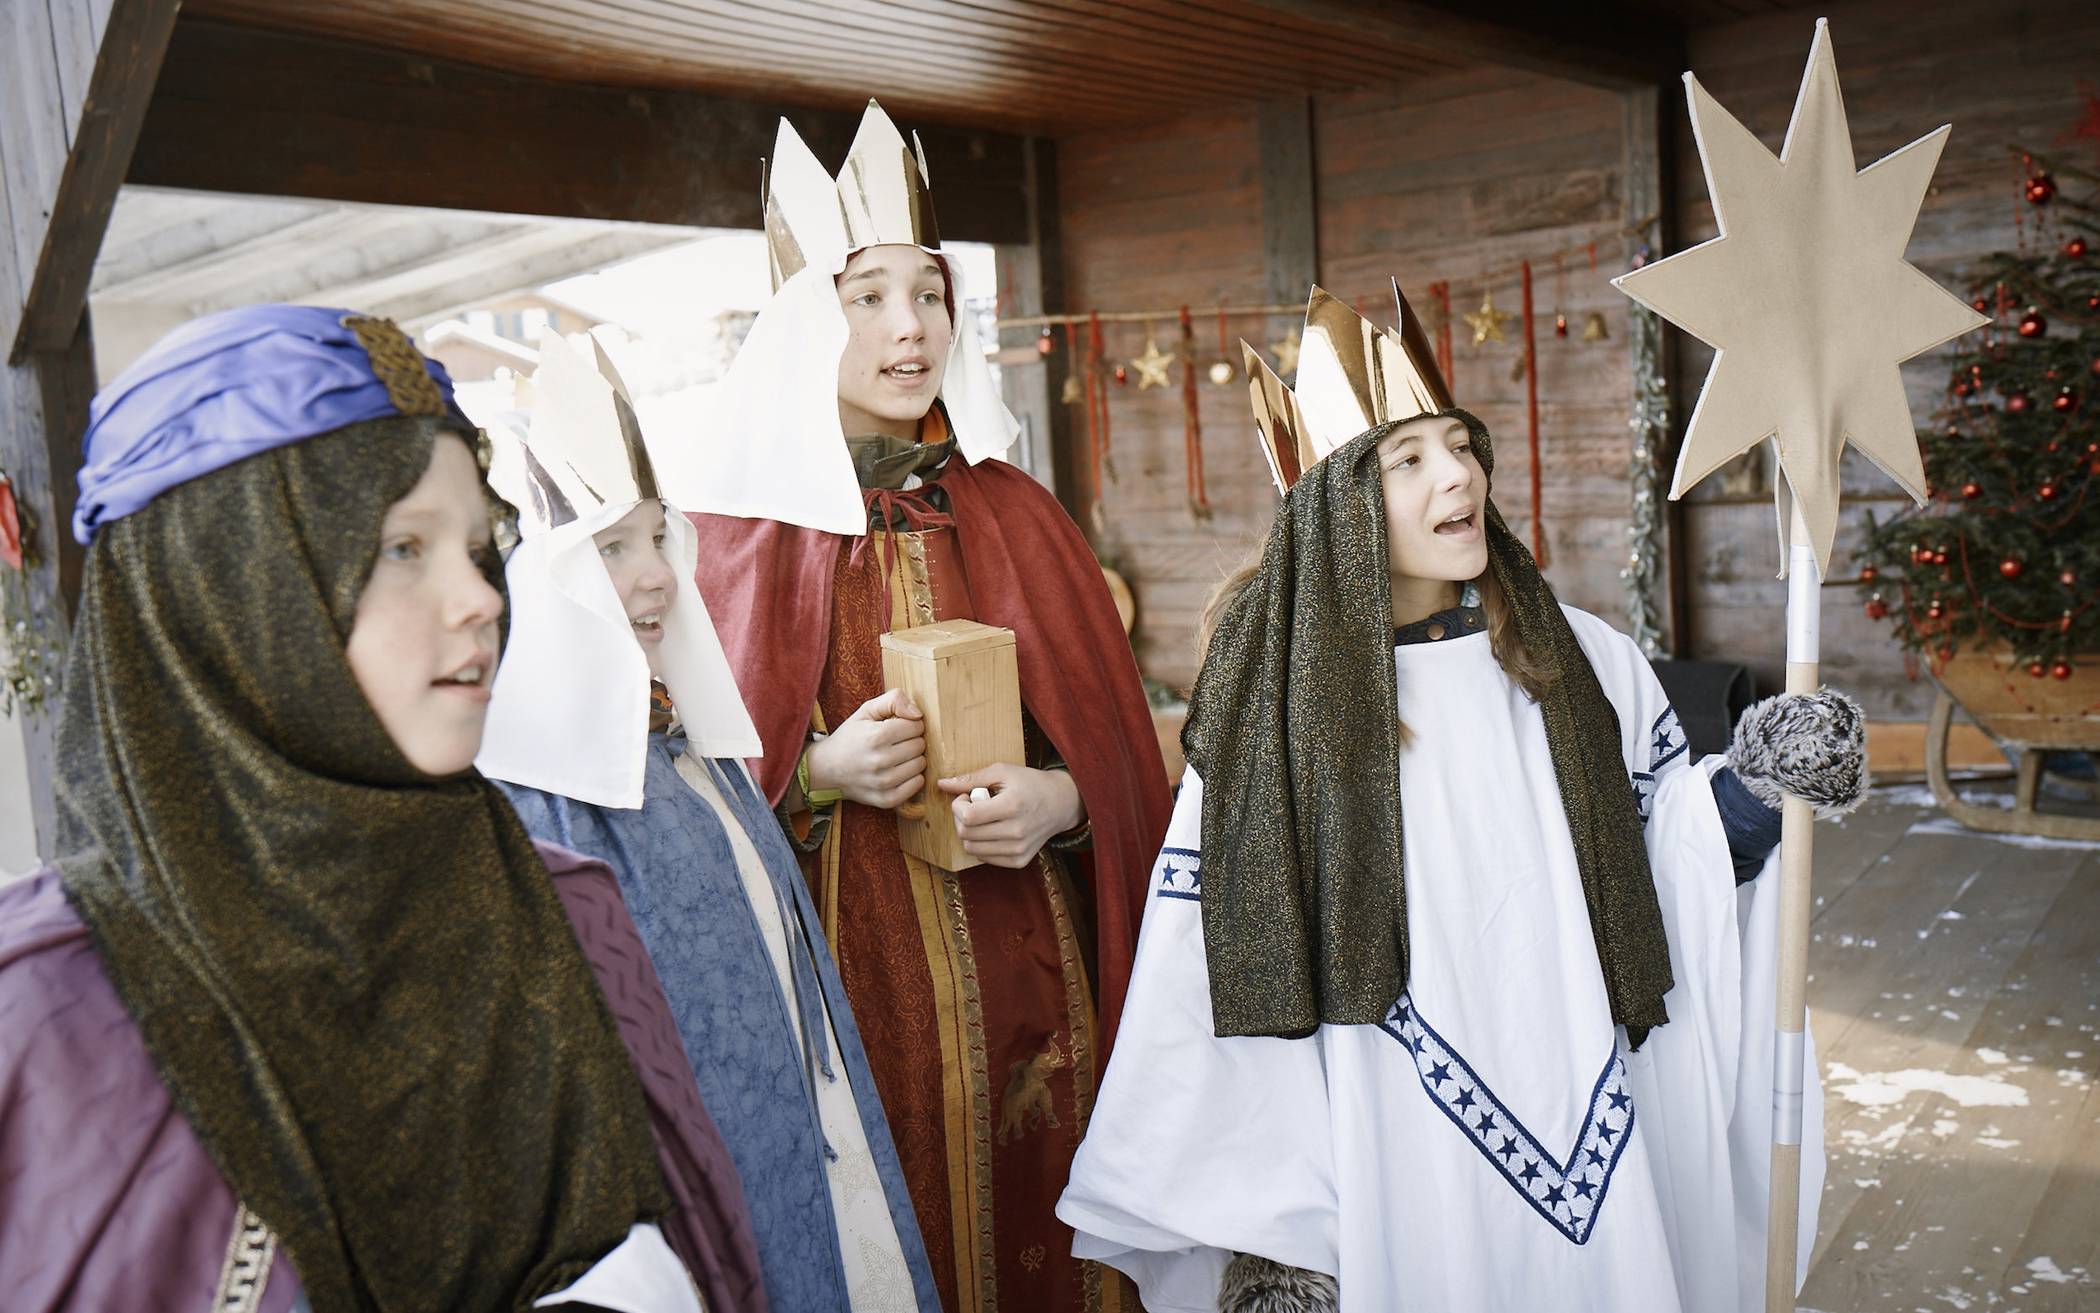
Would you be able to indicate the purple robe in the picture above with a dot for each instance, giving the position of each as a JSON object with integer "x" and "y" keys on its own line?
{"x": 111, "y": 1202}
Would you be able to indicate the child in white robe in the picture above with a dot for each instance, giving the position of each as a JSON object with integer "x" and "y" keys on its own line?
{"x": 1557, "y": 1095}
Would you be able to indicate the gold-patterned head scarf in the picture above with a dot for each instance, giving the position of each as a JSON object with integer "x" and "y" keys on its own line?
{"x": 1294, "y": 726}
{"x": 355, "y": 979}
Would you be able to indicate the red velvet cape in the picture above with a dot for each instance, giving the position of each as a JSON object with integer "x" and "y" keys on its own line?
{"x": 768, "y": 587}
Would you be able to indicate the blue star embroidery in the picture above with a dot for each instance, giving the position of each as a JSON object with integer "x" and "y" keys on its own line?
{"x": 1569, "y": 1196}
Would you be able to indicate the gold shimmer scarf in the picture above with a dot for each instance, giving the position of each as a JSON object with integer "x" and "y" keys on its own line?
{"x": 356, "y": 979}
{"x": 1294, "y": 726}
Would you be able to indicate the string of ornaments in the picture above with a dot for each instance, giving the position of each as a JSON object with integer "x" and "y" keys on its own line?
{"x": 1092, "y": 375}
{"x": 2007, "y": 552}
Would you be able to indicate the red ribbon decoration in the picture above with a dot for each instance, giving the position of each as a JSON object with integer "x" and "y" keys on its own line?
{"x": 1191, "y": 422}
{"x": 10, "y": 524}
{"x": 1531, "y": 412}
{"x": 1440, "y": 293}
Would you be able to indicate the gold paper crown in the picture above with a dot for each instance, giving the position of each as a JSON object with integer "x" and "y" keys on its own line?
{"x": 585, "y": 449}
{"x": 882, "y": 197}
{"x": 1352, "y": 376}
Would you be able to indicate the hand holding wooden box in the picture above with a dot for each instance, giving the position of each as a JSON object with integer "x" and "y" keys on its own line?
{"x": 965, "y": 677}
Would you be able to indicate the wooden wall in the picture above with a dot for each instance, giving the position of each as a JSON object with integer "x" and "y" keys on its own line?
{"x": 1441, "y": 178}
{"x": 2004, "y": 75}
{"x": 1448, "y": 177}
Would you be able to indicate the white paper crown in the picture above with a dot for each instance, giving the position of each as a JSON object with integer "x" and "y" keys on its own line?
{"x": 1352, "y": 376}
{"x": 882, "y": 197}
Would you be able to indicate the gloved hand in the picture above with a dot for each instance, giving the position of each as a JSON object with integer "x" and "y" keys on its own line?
{"x": 1260, "y": 1285}
{"x": 1812, "y": 746}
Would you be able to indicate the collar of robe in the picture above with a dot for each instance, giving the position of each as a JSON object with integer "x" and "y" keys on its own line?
{"x": 1294, "y": 727}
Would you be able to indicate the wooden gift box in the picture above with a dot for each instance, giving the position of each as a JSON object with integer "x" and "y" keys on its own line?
{"x": 965, "y": 678}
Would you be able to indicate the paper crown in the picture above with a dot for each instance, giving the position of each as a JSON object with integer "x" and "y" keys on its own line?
{"x": 1352, "y": 376}
{"x": 585, "y": 449}
{"x": 881, "y": 198}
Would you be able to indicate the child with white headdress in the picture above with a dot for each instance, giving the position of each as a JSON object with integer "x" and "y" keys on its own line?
{"x": 854, "y": 487}
{"x": 616, "y": 726}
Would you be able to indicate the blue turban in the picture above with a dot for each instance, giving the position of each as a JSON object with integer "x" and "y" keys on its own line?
{"x": 225, "y": 387}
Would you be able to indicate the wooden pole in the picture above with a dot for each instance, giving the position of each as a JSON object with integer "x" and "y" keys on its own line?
{"x": 1796, "y": 868}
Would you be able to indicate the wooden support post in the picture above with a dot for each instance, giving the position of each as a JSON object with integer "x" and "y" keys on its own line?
{"x": 1032, "y": 274}
{"x": 1290, "y": 228}
{"x": 75, "y": 78}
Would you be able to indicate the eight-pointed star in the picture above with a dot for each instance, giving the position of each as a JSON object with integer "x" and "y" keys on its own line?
{"x": 1806, "y": 299}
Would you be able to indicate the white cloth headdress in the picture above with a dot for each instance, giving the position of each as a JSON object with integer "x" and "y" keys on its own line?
{"x": 774, "y": 449}
{"x": 570, "y": 710}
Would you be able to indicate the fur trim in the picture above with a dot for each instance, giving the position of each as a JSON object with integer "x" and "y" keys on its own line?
{"x": 1812, "y": 746}
{"x": 1259, "y": 1285}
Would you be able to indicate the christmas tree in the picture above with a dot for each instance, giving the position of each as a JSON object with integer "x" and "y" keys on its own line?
{"x": 2007, "y": 552}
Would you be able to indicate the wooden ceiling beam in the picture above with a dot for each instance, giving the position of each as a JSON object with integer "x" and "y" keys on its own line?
{"x": 264, "y": 113}
{"x": 1603, "y": 45}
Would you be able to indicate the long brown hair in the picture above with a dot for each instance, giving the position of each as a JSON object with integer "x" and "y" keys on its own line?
{"x": 1525, "y": 669}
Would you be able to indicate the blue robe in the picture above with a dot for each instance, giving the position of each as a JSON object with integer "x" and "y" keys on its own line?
{"x": 679, "y": 876}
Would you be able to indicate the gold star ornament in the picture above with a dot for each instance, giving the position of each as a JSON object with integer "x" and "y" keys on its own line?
{"x": 1152, "y": 366}
{"x": 1286, "y": 353}
{"x": 1487, "y": 321}
{"x": 1807, "y": 301}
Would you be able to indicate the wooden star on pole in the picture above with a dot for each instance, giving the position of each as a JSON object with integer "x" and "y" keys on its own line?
{"x": 1487, "y": 321}
{"x": 1806, "y": 299}
{"x": 1152, "y": 366}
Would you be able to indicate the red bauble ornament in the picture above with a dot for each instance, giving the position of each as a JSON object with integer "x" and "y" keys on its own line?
{"x": 2092, "y": 303}
{"x": 2037, "y": 669}
{"x": 1868, "y": 574}
{"x": 2032, "y": 324}
{"x": 1939, "y": 556}
{"x": 2041, "y": 189}
{"x": 1961, "y": 385}
{"x": 1971, "y": 491}
{"x": 1122, "y": 374}
{"x": 2047, "y": 492}
{"x": 1560, "y": 325}
{"x": 2075, "y": 248}
{"x": 2069, "y": 578}
{"x": 2096, "y": 366}
{"x": 2011, "y": 567}
{"x": 2064, "y": 402}
{"x": 1876, "y": 608}
{"x": 2060, "y": 670}
{"x": 1980, "y": 306}
{"x": 1934, "y": 610}
{"x": 1044, "y": 343}
{"x": 2017, "y": 403}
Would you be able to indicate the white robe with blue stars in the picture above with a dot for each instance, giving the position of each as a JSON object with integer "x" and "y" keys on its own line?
{"x": 1493, "y": 1145}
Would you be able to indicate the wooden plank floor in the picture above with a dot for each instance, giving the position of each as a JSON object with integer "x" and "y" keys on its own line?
{"x": 1955, "y": 1002}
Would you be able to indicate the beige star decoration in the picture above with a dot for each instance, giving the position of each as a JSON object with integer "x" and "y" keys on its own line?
{"x": 1807, "y": 301}
{"x": 1074, "y": 391}
{"x": 1286, "y": 353}
{"x": 1152, "y": 366}
{"x": 1487, "y": 321}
